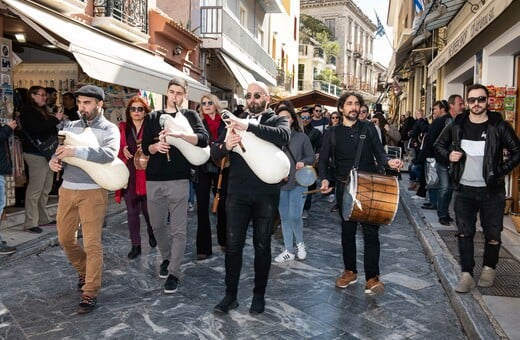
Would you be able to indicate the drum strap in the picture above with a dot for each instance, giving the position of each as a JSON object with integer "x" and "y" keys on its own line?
{"x": 362, "y": 137}
{"x": 291, "y": 154}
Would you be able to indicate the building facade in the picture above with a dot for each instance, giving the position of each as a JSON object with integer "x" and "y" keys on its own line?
{"x": 450, "y": 45}
{"x": 354, "y": 32}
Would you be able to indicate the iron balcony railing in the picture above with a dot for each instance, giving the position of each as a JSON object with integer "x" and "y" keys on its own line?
{"x": 131, "y": 12}
{"x": 217, "y": 23}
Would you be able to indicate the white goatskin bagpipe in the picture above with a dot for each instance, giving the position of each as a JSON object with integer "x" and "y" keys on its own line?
{"x": 266, "y": 160}
{"x": 110, "y": 176}
{"x": 194, "y": 154}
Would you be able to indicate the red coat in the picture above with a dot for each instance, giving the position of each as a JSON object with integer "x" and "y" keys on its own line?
{"x": 137, "y": 178}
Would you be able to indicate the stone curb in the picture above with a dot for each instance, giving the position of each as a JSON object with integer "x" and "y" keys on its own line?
{"x": 476, "y": 319}
{"x": 43, "y": 242}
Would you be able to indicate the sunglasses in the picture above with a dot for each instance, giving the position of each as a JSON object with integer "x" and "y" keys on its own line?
{"x": 306, "y": 117}
{"x": 256, "y": 95}
{"x": 209, "y": 103}
{"x": 136, "y": 109}
{"x": 334, "y": 117}
{"x": 481, "y": 99}
{"x": 317, "y": 110}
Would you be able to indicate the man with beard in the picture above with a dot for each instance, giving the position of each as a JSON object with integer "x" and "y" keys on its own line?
{"x": 249, "y": 197}
{"x": 167, "y": 180}
{"x": 81, "y": 200}
{"x": 473, "y": 145}
{"x": 341, "y": 143}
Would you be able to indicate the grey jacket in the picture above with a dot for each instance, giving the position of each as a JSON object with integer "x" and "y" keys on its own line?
{"x": 301, "y": 149}
{"x": 107, "y": 135}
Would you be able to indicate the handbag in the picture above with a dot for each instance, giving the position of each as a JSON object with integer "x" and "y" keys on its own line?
{"x": 140, "y": 159}
{"x": 47, "y": 148}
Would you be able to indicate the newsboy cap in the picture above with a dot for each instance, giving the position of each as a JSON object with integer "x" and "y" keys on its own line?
{"x": 91, "y": 91}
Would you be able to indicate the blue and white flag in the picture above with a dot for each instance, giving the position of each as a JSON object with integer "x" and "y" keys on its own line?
{"x": 419, "y": 6}
{"x": 380, "y": 30}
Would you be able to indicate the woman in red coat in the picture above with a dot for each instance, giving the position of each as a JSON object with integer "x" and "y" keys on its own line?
{"x": 135, "y": 193}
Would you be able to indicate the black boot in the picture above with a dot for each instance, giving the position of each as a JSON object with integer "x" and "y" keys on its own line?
{"x": 151, "y": 239}
{"x": 228, "y": 302}
{"x": 257, "y": 304}
{"x": 136, "y": 251}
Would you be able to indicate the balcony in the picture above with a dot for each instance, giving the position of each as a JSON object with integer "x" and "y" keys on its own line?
{"x": 221, "y": 29}
{"x": 65, "y": 6}
{"x": 125, "y": 19}
{"x": 358, "y": 51}
{"x": 327, "y": 87}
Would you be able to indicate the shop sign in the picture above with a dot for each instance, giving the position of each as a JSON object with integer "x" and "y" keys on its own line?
{"x": 489, "y": 12}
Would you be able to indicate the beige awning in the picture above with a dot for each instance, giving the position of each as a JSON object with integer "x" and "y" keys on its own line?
{"x": 104, "y": 57}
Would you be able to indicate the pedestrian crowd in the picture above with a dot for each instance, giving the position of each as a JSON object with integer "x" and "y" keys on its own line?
{"x": 215, "y": 155}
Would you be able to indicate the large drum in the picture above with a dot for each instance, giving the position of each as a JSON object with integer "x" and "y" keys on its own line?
{"x": 370, "y": 198}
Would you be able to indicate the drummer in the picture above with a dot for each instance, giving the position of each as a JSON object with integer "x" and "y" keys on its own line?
{"x": 341, "y": 143}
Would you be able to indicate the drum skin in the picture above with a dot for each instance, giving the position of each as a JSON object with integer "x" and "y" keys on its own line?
{"x": 376, "y": 198}
{"x": 306, "y": 176}
{"x": 110, "y": 176}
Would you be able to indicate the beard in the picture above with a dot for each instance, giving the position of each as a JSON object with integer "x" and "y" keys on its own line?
{"x": 90, "y": 115}
{"x": 256, "y": 108}
{"x": 350, "y": 117}
{"x": 478, "y": 110}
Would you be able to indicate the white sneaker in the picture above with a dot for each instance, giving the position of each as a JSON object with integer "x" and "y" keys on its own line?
{"x": 305, "y": 214}
{"x": 466, "y": 282}
{"x": 284, "y": 256}
{"x": 331, "y": 198}
{"x": 301, "y": 253}
{"x": 190, "y": 206}
{"x": 487, "y": 278}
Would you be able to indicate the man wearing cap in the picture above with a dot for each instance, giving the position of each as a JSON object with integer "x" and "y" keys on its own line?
{"x": 81, "y": 200}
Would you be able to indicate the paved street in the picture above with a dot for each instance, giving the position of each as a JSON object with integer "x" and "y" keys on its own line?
{"x": 38, "y": 298}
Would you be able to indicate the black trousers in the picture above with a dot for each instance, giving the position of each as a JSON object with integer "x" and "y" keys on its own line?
{"x": 348, "y": 241}
{"x": 207, "y": 182}
{"x": 470, "y": 201}
{"x": 240, "y": 209}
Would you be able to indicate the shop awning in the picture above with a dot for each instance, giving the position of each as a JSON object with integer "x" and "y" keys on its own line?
{"x": 243, "y": 76}
{"x": 103, "y": 57}
{"x": 311, "y": 98}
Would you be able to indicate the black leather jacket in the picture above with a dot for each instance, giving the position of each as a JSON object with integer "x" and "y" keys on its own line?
{"x": 500, "y": 135}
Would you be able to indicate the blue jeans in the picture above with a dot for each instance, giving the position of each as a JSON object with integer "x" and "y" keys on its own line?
{"x": 470, "y": 201}
{"x": 290, "y": 208}
{"x": 445, "y": 190}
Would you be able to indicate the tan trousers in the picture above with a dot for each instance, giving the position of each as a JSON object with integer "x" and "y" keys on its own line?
{"x": 37, "y": 193}
{"x": 87, "y": 207}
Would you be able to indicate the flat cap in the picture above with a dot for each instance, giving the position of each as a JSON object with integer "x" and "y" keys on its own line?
{"x": 91, "y": 91}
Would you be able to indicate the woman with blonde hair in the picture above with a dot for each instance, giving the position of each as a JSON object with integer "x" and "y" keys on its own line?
{"x": 208, "y": 175}
{"x": 135, "y": 193}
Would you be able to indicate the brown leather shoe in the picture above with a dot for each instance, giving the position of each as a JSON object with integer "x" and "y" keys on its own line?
{"x": 348, "y": 278}
{"x": 374, "y": 286}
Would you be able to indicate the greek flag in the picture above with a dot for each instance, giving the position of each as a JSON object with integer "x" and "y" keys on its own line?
{"x": 380, "y": 30}
{"x": 419, "y": 6}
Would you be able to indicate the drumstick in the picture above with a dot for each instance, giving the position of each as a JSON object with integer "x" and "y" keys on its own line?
{"x": 315, "y": 191}
{"x": 61, "y": 141}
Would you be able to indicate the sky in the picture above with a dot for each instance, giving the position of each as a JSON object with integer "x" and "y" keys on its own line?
{"x": 382, "y": 49}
